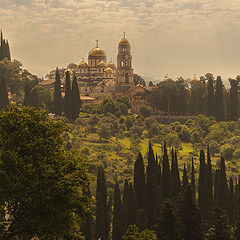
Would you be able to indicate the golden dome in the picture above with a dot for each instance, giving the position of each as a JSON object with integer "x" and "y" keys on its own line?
{"x": 111, "y": 65}
{"x": 108, "y": 70}
{"x": 97, "y": 53}
{"x": 83, "y": 64}
{"x": 195, "y": 79}
{"x": 102, "y": 64}
{"x": 68, "y": 70}
{"x": 72, "y": 65}
{"x": 124, "y": 42}
{"x": 165, "y": 78}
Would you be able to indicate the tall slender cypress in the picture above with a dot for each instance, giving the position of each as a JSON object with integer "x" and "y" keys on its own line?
{"x": 4, "y": 101}
{"x": 76, "y": 101}
{"x": 67, "y": 98}
{"x": 166, "y": 176}
{"x": 139, "y": 181}
{"x": 117, "y": 214}
{"x": 185, "y": 182}
{"x": 219, "y": 101}
{"x": 176, "y": 183}
{"x": 193, "y": 179}
{"x": 131, "y": 206}
{"x": 233, "y": 105}
{"x": 231, "y": 205}
{"x": 125, "y": 208}
{"x": 35, "y": 98}
{"x": 57, "y": 94}
{"x": 4, "y": 49}
{"x": 27, "y": 95}
{"x": 201, "y": 181}
{"x": 210, "y": 97}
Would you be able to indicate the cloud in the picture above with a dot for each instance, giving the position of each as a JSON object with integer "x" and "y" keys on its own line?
{"x": 181, "y": 37}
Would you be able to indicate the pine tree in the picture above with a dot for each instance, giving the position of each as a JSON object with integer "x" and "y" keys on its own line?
{"x": 27, "y": 95}
{"x": 117, "y": 214}
{"x": 176, "y": 183}
{"x": 76, "y": 101}
{"x": 57, "y": 94}
{"x": 219, "y": 101}
{"x": 189, "y": 217}
{"x": 193, "y": 185}
{"x": 166, "y": 176}
{"x": 139, "y": 181}
{"x": 210, "y": 98}
{"x": 185, "y": 182}
{"x": 67, "y": 98}
{"x": 233, "y": 106}
{"x": 4, "y": 101}
{"x": 166, "y": 228}
{"x": 201, "y": 181}
{"x": 35, "y": 98}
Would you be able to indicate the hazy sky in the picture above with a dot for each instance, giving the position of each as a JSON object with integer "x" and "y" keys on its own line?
{"x": 178, "y": 37}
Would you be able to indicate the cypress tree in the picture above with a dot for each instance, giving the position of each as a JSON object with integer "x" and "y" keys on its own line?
{"x": 102, "y": 207}
{"x": 167, "y": 225}
{"x": 35, "y": 98}
{"x": 208, "y": 184}
{"x": 185, "y": 182}
{"x": 57, "y": 94}
{"x": 237, "y": 230}
{"x": 176, "y": 183}
{"x": 219, "y": 101}
{"x": 139, "y": 181}
{"x": 27, "y": 95}
{"x": 231, "y": 201}
{"x": 150, "y": 187}
{"x": 201, "y": 181}
{"x": 210, "y": 98}
{"x": 67, "y": 98}
{"x": 193, "y": 179}
{"x": 166, "y": 176}
{"x": 4, "y": 49}
{"x": 189, "y": 217}
{"x": 76, "y": 101}
{"x": 117, "y": 214}
{"x": 131, "y": 205}
{"x": 216, "y": 182}
{"x": 141, "y": 220}
{"x": 125, "y": 208}
{"x": 222, "y": 187}
{"x": 233, "y": 106}
{"x": 4, "y": 101}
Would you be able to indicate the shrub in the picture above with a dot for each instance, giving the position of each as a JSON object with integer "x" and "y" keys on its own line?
{"x": 144, "y": 110}
{"x": 227, "y": 151}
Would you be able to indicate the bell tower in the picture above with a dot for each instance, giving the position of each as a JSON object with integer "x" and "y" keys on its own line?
{"x": 124, "y": 63}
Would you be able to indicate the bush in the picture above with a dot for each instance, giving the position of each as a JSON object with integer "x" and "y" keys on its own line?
{"x": 213, "y": 147}
{"x": 172, "y": 140}
{"x": 149, "y": 122}
{"x": 227, "y": 151}
{"x": 184, "y": 133}
{"x": 144, "y": 110}
{"x": 236, "y": 154}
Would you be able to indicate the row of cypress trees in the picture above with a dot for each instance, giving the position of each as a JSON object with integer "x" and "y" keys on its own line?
{"x": 217, "y": 104}
{"x": 71, "y": 103}
{"x": 4, "y": 49}
{"x": 158, "y": 199}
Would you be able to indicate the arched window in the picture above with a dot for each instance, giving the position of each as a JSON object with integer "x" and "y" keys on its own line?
{"x": 121, "y": 63}
{"x": 126, "y": 63}
{"x": 126, "y": 77}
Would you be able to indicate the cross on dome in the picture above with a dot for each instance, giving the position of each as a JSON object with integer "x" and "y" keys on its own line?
{"x": 97, "y": 43}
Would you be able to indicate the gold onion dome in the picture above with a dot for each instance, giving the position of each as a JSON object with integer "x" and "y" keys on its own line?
{"x": 102, "y": 64}
{"x": 68, "y": 70}
{"x": 195, "y": 79}
{"x": 72, "y": 65}
{"x": 124, "y": 41}
{"x": 111, "y": 64}
{"x": 108, "y": 70}
{"x": 97, "y": 52}
{"x": 83, "y": 64}
{"x": 165, "y": 78}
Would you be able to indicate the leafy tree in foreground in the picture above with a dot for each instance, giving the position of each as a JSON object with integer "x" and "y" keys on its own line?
{"x": 134, "y": 234}
{"x": 220, "y": 229}
{"x": 41, "y": 184}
